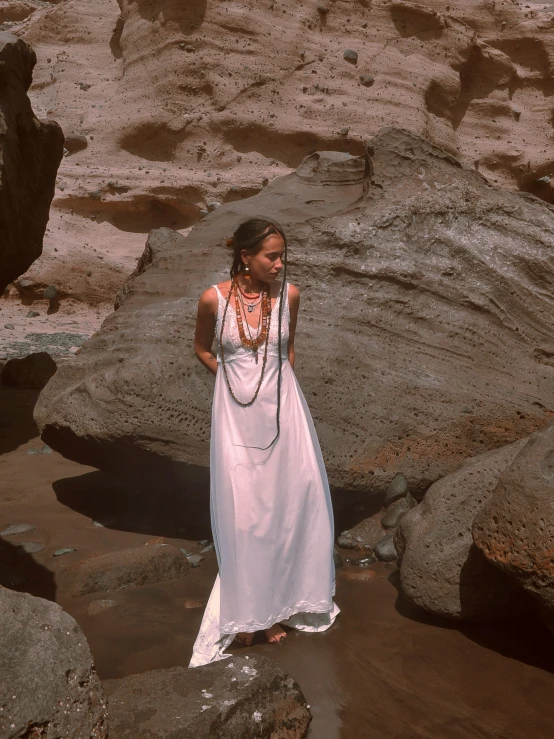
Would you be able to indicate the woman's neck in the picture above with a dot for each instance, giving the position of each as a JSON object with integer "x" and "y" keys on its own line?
{"x": 249, "y": 285}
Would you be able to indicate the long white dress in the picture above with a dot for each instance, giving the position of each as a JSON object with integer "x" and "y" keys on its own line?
{"x": 271, "y": 512}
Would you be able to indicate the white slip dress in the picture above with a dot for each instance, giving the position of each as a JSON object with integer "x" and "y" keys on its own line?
{"x": 271, "y": 511}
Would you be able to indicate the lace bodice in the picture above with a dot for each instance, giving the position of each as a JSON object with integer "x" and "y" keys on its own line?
{"x": 232, "y": 345}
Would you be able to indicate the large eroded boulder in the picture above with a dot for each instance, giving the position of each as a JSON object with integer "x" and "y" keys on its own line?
{"x": 426, "y": 333}
{"x": 441, "y": 569}
{"x": 515, "y": 529}
{"x": 30, "y": 153}
{"x": 246, "y": 697}
{"x": 49, "y": 687}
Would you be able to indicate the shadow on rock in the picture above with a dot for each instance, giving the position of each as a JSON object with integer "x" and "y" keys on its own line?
{"x": 181, "y": 512}
{"x": 21, "y": 572}
{"x": 189, "y": 16}
{"x": 17, "y": 426}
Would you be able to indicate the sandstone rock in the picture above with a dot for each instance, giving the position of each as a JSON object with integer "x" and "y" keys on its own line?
{"x": 441, "y": 570}
{"x": 32, "y": 371}
{"x": 127, "y": 568}
{"x": 246, "y": 697}
{"x": 403, "y": 240}
{"x": 46, "y": 663}
{"x": 515, "y": 529}
{"x": 30, "y": 152}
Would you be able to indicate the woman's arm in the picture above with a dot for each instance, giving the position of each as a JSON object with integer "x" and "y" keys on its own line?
{"x": 294, "y": 305}
{"x": 205, "y": 329}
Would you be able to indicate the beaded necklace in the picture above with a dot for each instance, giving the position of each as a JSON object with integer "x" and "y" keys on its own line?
{"x": 253, "y": 344}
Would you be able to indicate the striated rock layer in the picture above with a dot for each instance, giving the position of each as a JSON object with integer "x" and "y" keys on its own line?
{"x": 185, "y": 103}
{"x": 30, "y": 152}
{"x": 425, "y": 334}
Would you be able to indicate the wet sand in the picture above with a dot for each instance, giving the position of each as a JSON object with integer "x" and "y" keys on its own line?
{"x": 384, "y": 669}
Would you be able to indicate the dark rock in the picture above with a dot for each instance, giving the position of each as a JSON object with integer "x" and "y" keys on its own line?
{"x": 397, "y": 489}
{"x": 350, "y": 56}
{"x": 246, "y": 697}
{"x": 515, "y": 529}
{"x": 127, "y": 568}
{"x": 50, "y": 292}
{"x": 385, "y": 549}
{"x": 135, "y": 401}
{"x": 75, "y": 142}
{"x": 441, "y": 570}
{"x": 30, "y": 153}
{"x": 363, "y": 535}
{"x": 32, "y": 371}
{"x": 337, "y": 559}
{"x": 9, "y": 326}
{"x": 396, "y": 511}
{"x": 32, "y": 314}
{"x": 46, "y": 662}
{"x": 17, "y": 528}
{"x": 367, "y": 80}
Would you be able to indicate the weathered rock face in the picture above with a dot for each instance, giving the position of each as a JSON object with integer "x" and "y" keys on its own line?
{"x": 515, "y": 529}
{"x": 30, "y": 152}
{"x": 441, "y": 569}
{"x": 425, "y": 334}
{"x": 127, "y": 568}
{"x": 244, "y": 697}
{"x": 46, "y": 663}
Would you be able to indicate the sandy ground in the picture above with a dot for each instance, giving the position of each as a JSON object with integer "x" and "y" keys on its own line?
{"x": 383, "y": 670}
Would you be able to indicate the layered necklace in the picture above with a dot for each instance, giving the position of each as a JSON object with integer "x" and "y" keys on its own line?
{"x": 251, "y": 343}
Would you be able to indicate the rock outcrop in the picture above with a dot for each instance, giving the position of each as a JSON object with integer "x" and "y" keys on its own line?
{"x": 425, "y": 334}
{"x": 441, "y": 569}
{"x": 49, "y": 685}
{"x": 30, "y": 153}
{"x": 515, "y": 529}
{"x": 246, "y": 697}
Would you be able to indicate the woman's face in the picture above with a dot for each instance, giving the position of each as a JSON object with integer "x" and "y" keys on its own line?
{"x": 266, "y": 265}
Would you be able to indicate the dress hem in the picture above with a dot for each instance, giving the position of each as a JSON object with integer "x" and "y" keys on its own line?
{"x": 323, "y": 606}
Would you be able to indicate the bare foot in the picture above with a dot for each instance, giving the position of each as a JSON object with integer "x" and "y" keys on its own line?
{"x": 275, "y": 634}
{"x": 244, "y": 638}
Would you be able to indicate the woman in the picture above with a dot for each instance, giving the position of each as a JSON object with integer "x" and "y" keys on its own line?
{"x": 270, "y": 504}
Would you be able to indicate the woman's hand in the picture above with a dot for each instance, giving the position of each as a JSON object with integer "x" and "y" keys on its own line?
{"x": 205, "y": 329}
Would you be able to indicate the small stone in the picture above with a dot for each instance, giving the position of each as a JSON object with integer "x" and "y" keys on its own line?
{"x": 367, "y": 79}
{"x": 203, "y": 213}
{"x": 97, "y": 523}
{"x": 364, "y": 561}
{"x": 189, "y": 49}
{"x": 337, "y": 559}
{"x": 17, "y": 528}
{"x": 213, "y": 205}
{"x": 350, "y": 56}
{"x": 203, "y": 542}
{"x": 44, "y": 450}
{"x": 30, "y": 547}
{"x": 9, "y": 326}
{"x": 344, "y": 131}
{"x": 32, "y": 314}
{"x": 64, "y": 550}
{"x": 50, "y": 292}
{"x": 543, "y": 180}
{"x": 194, "y": 560}
{"x": 98, "y": 606}
{"x": 265, "y": 181}
{"x": 345, "y": 540}
{"x": 96, "y": 195}
{"x": 397, "y": 489}
{"x": 385, "y": 549}
{"x": 84, "y": 86}
{"x": 207, "y": 549}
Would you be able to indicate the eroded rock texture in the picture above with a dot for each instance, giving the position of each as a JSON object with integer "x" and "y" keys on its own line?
{"x": 30, "y": 152}
{"x": 425, "y": 334}
{"x": 49, "y": 686}
{"x": 242, "y": 90}
{"x": 441, "y": 569}
{"x": 246, "y": 697}
{"x": 515, "y": 530}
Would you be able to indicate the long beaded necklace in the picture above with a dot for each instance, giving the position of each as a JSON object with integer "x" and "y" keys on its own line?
{"x": 253, "y": 344}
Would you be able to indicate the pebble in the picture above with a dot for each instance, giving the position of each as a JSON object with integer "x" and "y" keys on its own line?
{"x": 43, "y": 450}
{"x": 397, "y": 489}
{"x": 50, "y": 292}
{"x": 30, "y": 547}
{"x": 32, "y": 314}
{"x": 17, "y": 528}
{"x": 367, "y": 79}
{"x": 364, "y": 561}
{"x": 9, "y": 326}
{"x": 350, "y": 56}
{"x": 543, "y": 180}
{"x": 337, "y": 559}
{"x": 203, "y": 542}
{"x": 194, "y": 560}
{"x": 213, "y": 205}
{"x": 203, "y": 213}
{"x": 207, "y": 549}
{"x": 64, "y": 550}
{"x": 344, "y": 131}
{"x": 385, "y": 549}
